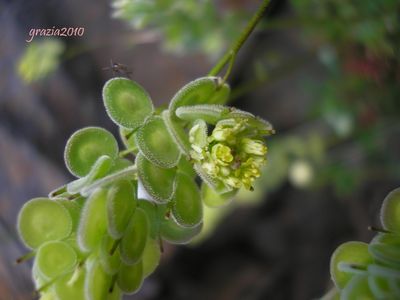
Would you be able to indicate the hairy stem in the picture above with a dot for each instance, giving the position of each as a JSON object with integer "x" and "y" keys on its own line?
{"x": 231, "y": 53}
{"x": 125, "y": 173}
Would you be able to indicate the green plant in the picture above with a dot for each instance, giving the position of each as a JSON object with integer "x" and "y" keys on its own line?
{"x": 40, "y": 59}
{"x": 371, "y": 271}
{"x": 100, "y": 235}
{"x": 184, "y": 26}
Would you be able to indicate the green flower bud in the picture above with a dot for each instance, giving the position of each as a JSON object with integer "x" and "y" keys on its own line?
{"x": 211, "y": 168}
{"x": 198, "y": 134}
{"x": 256, "y": 147}
{"x": 221, "y": 154}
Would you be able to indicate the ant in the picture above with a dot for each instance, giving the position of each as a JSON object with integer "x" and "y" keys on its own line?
{"x": 119, "y": 69}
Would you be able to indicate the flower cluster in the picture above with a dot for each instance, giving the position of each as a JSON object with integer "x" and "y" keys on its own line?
{"x": 234, "y": 153}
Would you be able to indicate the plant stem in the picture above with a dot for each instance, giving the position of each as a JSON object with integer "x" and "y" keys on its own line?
{"x": 127, "y": 151}
{"x": 25, "y": 257}
{"x": 231, "y": 53}
{"x": 124, "y": 173}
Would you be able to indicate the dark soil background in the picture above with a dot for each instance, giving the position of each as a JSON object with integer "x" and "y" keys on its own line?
{"x": 277, "y": 249}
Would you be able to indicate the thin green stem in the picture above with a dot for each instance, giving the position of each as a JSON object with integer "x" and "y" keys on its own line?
{"x": 125, "y": 173}
{"x": 228, "y": 71}
{"x": 25, "y": 257}
{"x": 279, "y": 73}
{"x": 114, "y": 246}
{"x": 380, "y": 230}
{"x": 127, "y": 151}
{"x": 231, "y": 54}
{"x": 59, "y": 191}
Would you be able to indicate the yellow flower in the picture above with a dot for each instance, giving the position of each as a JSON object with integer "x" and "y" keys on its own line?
{"x": 232, "y": 154}
{"x": 221, "y": 154}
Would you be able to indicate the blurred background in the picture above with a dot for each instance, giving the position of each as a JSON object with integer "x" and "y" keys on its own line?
{"x": 325, "y": 73}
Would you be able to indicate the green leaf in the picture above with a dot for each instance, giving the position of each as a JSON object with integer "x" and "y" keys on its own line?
{"x": 185, "y": 166}
{"x": 55, "y": 258}
{"x": 86, "y": 146}
{"x": 207, "y": 112}
{"x": 213, "y": 199}
{"x": 151, "y": 256}
{"x": 200, "y": 91}
{"x": 212, "y": 114}
{"x": 126, "y": 102}
{"x": 156, "y": 143}
{"x": 159, "y": 183}
{"x": 99, "y": 169}
{"x": 121, "y": 204}
{"x": 97, "y": 282}
{"x": 357, "y": 288}
{"x": 128, "y": 138}
{"x": 187, "y": 208}
{"x": 41, "y": 220}
{"x": 390, "y": 211}
{"x": 93, "y": 223}
{"x": 386, "y": 253}
{"x": 71, "y": 286}
{"x": 175, "y": 234}
{"x": 177, "y": 132}
{"x": 351, "y": 253}
{"x": 109, "y": 262}
{"x": 152, "y": 212}
{"x": 134, "y": 239}
{"x": 130, "y": 277}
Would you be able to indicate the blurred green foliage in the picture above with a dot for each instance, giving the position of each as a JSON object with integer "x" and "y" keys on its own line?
{"x": 190, "y": 25}
{"x": 372, "y": 24}
{"x": 39, "y": 59}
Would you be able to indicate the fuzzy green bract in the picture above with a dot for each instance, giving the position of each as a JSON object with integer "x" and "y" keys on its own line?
{"x": 187, "y": 207}
{"x": 351, "y": 253}
{"x": 156, "y": 144}
{"x": 93, "y": 222}
{"x": 175, "y": 234}
{"x": 130, "y": 277}
{"x": 205, "y": 90}
{"x": 121, "y": 204}
{"x": 390, "y": 211}
{"x": 99, "y": 236}
{"x": 55, "y": 258}
{"x": 151, "y": 257}
{"x": 158, "y": 182}
{"x": 126, "y": 102}
{"x": 135, "y": 238}
{"x": 86, "y": 146}
{"x": 41, "y": 220}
